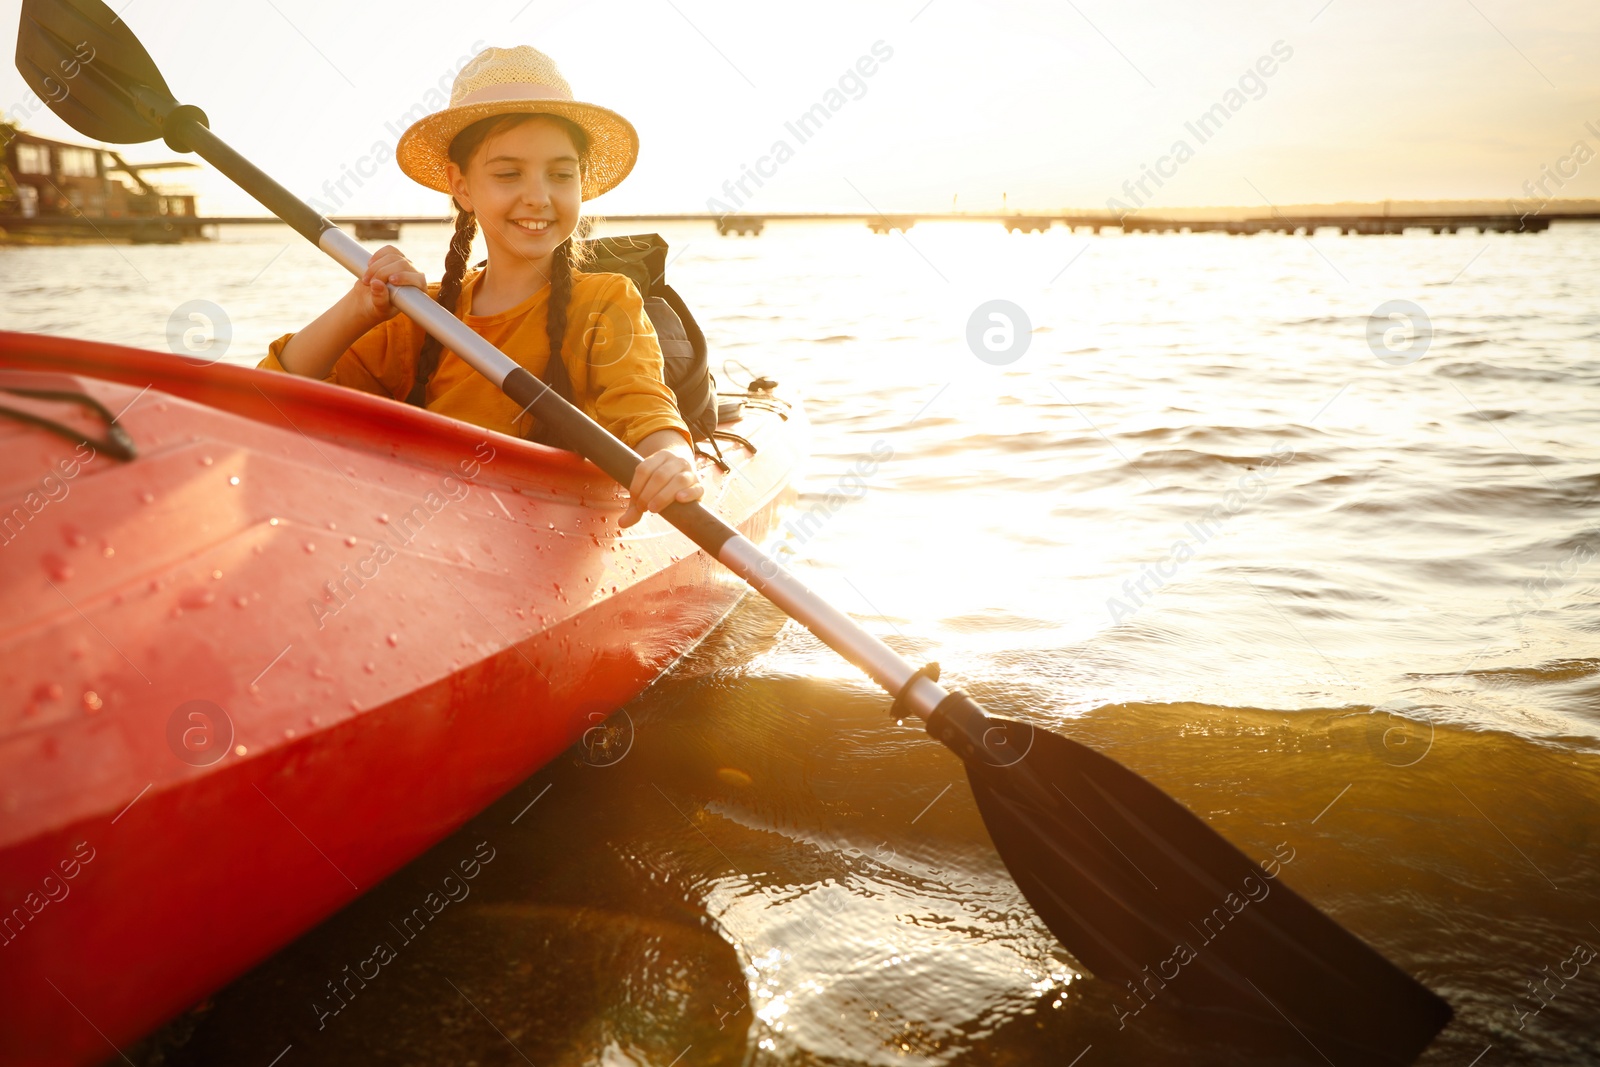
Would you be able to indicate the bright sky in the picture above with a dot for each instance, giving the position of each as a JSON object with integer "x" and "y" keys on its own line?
{"x": 1056, "y": 104}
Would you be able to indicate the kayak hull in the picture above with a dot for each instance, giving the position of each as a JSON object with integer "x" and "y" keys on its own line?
{"x": 302, "y": 636}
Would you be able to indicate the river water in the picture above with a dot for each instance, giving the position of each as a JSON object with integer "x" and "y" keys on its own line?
{"x": 1330, "y": 582}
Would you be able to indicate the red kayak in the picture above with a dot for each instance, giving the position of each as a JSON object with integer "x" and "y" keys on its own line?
{"x": 266, "y": 639}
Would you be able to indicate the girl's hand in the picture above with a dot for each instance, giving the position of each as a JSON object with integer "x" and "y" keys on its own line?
{"x": 665, "y": 476}
{"x": 369, "y": 296}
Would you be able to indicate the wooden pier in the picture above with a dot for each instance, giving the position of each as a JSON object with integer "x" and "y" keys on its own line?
{"x": 890, "y": 223}
{"x": 1364, "y": 225}
{"x": 74, "y": 227}
{"x": 1243, "y": 224}
{"x": 736, "y": 224}
{"x": 1090, "y": 221}
{"x": 175, "y": 227}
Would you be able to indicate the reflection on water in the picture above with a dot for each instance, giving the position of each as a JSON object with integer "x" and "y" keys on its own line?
{"x": 1326, "y": 601}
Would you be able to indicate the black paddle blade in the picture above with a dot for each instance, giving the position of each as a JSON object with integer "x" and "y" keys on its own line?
{"x": 1160, "y": 906}
{"x": 86, "y": 64}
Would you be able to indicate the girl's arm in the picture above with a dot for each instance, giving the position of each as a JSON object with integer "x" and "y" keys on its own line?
{"x": 313, "y": 351}
{"x": 666, "y": 475}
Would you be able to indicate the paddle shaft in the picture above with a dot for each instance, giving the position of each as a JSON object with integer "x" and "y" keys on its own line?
{"x": 185, "y": 130}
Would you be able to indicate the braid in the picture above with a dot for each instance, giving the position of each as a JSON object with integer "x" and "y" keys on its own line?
{"x": 555, "y": 331}
{"x": 560, "y": 300}
{"x": 455, "y": 269}
{"x": 570, "y": 255}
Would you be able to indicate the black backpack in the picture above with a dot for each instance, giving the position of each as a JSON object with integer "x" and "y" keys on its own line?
{"x": 642, "y": 258}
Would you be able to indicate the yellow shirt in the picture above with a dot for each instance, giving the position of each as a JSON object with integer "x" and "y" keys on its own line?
{"x": 611, "y": 352}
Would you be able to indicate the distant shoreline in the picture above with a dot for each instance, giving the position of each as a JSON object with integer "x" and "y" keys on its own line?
{"x": 1349, "y": 218}
{"x": 1343, "y": 208}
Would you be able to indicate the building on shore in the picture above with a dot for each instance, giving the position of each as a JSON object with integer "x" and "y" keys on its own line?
{"x": 53, "y": 190}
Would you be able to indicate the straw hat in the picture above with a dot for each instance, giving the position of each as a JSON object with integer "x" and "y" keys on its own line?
{"x": 520, "y": 80}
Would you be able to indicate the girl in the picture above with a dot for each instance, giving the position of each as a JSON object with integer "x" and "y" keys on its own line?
{"x": 519, "y": 157}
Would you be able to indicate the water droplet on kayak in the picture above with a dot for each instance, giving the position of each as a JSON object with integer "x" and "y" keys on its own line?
{"x": 233, "y": 479}
{"x": 383, "y": 516}
{"x": 107, "y": 551}
{"x": 370, "y": 668}
{"x": 147, "y": 497}
{"x": 309, "y": 546}
{"x": 47, "y": 691}
{"x": 241, "y": 601}
{"x": 288, "y": 734}
{"x": 91, "y": 701}
{"x": 256, "y": 549}
{"x": 355, "y": 705}
{"x": 272, "y": 522}
{"x": 56, "y": 567}
{"x": 333, "y": 525}
{"x": 240, "y": 750}
{"x": 74, "y": 536}
{"x": 216, "y": 576}
{"x": 394, "y": 640}
{"x": 315, "y": 720}
{"x": 350, "y": 540}
{"x": 195, "y": 599}
{"x": 205, "y": 461}
{"x": 551, "y": 525}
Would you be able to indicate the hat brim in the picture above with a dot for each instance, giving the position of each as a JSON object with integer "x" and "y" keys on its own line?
{"x": 423, "y": 152}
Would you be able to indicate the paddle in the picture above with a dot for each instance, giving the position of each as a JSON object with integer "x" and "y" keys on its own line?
{"x": 1146, "y": 895}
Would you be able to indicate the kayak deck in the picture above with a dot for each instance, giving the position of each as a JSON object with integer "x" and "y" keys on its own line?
{"x": 302, "y": 636}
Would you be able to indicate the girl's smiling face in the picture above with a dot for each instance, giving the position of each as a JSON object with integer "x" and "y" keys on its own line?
{"x": 525, "y": 185}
